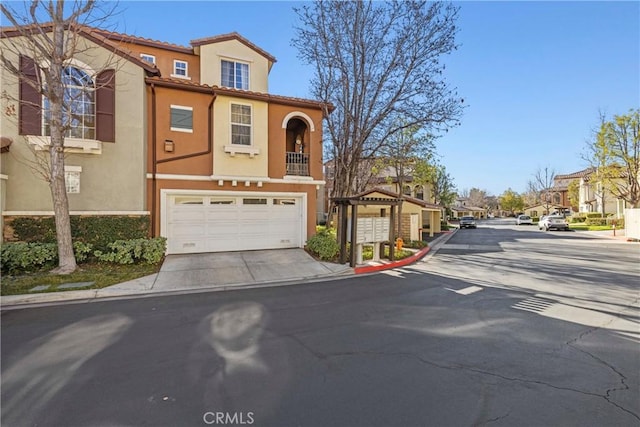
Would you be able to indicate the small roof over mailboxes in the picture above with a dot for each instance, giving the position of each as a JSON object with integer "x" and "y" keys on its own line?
{"x": 407, "y": 199}
{"x": 366, "y": 198}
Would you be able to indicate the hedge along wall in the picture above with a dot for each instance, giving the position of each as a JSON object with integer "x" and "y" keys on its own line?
{"x": 99, "y": 230}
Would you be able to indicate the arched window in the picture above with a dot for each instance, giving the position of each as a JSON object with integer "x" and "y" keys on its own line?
{"x": 406, "y": 190}
{"x": 78, "y": 106}
{"x": 556, "y": 198}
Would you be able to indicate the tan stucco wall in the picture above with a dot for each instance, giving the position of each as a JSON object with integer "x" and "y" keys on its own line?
{"x": 232, "y": 50}
{"x": 111, "y": 181}
{"x": 241, "y": 164}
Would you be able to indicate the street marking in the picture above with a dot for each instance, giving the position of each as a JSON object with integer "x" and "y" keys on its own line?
{"x": 533, "y": 304}
{"x": 466, "y": 291}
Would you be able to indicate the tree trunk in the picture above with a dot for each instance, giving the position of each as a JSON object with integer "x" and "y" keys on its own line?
{"x": 66, "y": 257}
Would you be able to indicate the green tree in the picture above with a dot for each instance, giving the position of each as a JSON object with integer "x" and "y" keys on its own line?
{"x": 573, "y": 191}
{"x": 511, "y": 201}
{"x": 615, "y": 155}
{"x": 443, "y": 189}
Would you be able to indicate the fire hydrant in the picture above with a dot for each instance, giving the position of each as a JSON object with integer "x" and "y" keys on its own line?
{"x": 399, "y": 243}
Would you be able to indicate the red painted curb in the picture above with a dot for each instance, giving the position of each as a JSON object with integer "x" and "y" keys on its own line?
{"x": 401, "y": 263}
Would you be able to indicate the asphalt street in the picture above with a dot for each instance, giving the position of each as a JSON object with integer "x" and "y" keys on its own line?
{"x": 504, "y": 325}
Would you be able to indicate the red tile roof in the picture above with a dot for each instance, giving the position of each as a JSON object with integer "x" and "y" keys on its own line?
{"x": 232, "y": 36}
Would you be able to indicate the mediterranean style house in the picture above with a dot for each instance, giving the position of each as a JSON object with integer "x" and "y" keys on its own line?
{"x": 188, "y": 135}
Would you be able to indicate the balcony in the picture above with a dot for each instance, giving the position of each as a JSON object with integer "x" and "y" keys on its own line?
{"x": 297, "y": 164}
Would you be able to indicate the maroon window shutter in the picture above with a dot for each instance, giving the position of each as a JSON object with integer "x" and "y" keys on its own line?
{"x": 30, "y": 106}
{"x": 106, "y": 106}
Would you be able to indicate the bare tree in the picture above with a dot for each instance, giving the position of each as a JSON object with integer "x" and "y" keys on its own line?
{"x": 53, "y": 42}
{"x": 542, "y": 184}
{"x": 376, "y": 62}
{"x": 477, "y": 197}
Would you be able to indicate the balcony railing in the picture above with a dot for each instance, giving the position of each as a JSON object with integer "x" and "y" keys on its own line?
{"x": 298, "y": 164}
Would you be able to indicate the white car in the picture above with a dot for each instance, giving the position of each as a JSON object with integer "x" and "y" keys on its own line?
{"x": 550, "y": 222}
{"x": 524, "y": 220}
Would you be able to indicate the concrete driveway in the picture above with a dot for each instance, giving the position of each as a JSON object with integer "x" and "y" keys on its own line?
{"x": 194, "y": 271}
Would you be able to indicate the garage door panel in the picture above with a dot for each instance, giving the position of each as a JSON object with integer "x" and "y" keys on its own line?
{"x": 233, "y": 222}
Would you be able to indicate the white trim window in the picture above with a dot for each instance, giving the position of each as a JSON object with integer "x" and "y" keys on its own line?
{"x": 180, "y": 69}
{"x": 78, "y": 106}
{"x": 241, "y": 124}
{"x": 235, "y": 74}
{"x": 181, "y": 118}
{"x": 149, "y": 58}
{"x": 72, "y": 179}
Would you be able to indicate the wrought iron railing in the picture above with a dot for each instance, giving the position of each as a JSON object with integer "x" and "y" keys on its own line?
{"x": 298, "y": 164}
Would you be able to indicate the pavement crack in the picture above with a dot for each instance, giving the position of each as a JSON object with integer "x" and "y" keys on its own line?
{"x": 493, "y": 420}
{"x": 622, "y": 378}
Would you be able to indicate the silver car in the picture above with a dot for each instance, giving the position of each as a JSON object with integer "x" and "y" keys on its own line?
{"x": 467, "y": 222}
{"x": 550, "y": 222}
{"x": 524, "y": 219}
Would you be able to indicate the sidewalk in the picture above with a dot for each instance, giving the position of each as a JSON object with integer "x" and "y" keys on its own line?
{"x": 618, "y": 235}
{"x": 218, "y": 272}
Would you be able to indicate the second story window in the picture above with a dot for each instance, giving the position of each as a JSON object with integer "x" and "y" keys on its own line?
{"x": 240, "y": 124}
{"x": 180, "y": 69}
{"x": 149, "y": 58}
{"x": 181, "y": 118}
{"x": 235, "y": 75}
{"x": 78, "y": 106}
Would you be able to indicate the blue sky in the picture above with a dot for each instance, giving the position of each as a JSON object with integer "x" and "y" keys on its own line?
{"x": 534, "y": 75}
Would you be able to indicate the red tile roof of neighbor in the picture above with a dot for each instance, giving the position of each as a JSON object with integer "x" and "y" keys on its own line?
{"x": 398, "y": 196}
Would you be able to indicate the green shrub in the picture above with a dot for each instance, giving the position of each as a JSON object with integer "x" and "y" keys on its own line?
{"x": 619, "y": 222}
{"x": 146, "y": 251}
{"x": 82, "y": 251}
{"x": 323, "y": 245}
{"x": 415, "y": 244}
{"x": 22, "y": 256}
{"x": 594, "y": 215}
{"x": 595, "y": 221}
{"x": 98, "y": 231}
{"x": 535, "y": 219}
{"x": 576, "y": 219}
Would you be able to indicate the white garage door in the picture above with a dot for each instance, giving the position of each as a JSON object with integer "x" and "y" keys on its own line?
{"x": 233, "y": 222}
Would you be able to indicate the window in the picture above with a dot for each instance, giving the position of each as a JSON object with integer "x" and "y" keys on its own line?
{"x": 181, "y": 118}
{"x": 72, "y": 179}
{"x": 149, "y": 58}
{"x": 240, "y": 124}
{"x": 186, "y": 200}
{"x": 235, "y": 75}
{"x": 180, "y": 69}
{"x": 254, "y": 201}
{"x": 78, "y": 106}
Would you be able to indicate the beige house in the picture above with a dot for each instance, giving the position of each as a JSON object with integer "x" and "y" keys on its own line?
{"x": 544, "y": 209}
{"x": 417, "y": 216}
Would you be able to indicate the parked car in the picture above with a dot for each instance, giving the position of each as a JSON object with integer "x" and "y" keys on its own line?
{"x": 467, "y": 222}
{"x": 524, "y": 220}
{"x": 550, "y": 222}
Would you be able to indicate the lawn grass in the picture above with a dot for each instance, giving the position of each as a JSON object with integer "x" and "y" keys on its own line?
{"x": 101, "y": 274}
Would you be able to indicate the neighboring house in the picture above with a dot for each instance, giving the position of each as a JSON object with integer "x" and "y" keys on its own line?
{"x": 545, "y": 209}
{"x": 197, "y": 143}
{"x": 594, "y": 197}
{"x": 560, "y": 191}
{"x": 417, "y": 216}
{"x": 380, "y": 178}
{"x": 461, "y": 209}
